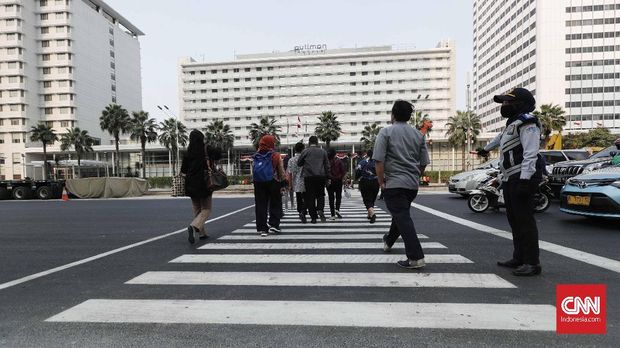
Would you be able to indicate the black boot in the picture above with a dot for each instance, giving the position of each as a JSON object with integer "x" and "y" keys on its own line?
{"x": 190, "y": 235}
{"x": 527, "y": 270}
{"x": 512, "y": 263}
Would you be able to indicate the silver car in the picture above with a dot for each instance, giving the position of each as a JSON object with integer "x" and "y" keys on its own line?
{"x": 464, "y": 182}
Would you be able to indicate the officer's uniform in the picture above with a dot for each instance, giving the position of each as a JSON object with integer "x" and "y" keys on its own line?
{"x": 522, "y": 169}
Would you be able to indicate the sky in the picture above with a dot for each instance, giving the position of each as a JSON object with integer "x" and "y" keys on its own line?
{"x": 214, "y": 31}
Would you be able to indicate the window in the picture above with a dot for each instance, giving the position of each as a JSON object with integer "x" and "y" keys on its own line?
{"x": 45, "y": 30}
{"x": 553, "y": 157}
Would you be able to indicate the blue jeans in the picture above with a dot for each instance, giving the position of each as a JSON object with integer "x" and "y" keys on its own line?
{"x": 398, "y": 202}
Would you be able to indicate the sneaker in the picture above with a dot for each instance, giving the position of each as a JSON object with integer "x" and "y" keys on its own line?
{"x": 373, "y": 218}
{"x": 333, "y": 218}
{"x": 190, "y": 235}
{"x": 338, "y": 214}
{"x": 275, "y": 230}
{"x": 411, "y": 264}
{"x": 303, "y": 219}
{"x": 386, "y": 247}
{"x": 313, "y": 221}
{"x": 203, "y": 236}
{"x": 263, "y": 233}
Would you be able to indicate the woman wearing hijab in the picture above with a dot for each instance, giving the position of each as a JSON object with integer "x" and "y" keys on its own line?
{"x": 337, "y": 171}
{"x": 269, "y": 181}
{"x": 195, "y": 163}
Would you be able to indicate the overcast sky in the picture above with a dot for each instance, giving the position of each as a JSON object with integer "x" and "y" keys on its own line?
{"x": 215, "y": 30}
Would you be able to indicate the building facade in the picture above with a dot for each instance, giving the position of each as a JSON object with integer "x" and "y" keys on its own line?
{"x": 62, "y": 62}
{"x": 358, "y": 85}
{"x": 565, "y": 52}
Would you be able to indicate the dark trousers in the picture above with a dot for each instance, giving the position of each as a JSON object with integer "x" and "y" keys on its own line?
{"x": 267, "y": 198}
{"x": 369, "y": 190}
{"x": 301, "y": 205}
{"x": 315, "y": 195}
{"x": 398, "y": 202}
{"x": 334, "y": 193}
{"x": 520, "y": 213}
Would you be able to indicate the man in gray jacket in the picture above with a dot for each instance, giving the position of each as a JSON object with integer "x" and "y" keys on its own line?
{"x": 315, "y": 166}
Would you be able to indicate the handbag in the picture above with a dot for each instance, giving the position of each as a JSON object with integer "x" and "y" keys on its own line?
{"x": 216, "y": 179}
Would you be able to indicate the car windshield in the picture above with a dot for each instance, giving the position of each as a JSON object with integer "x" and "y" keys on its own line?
{"x": 605, "y": 153}
{"x": 577, "y": 155}
{"x": 494, "y": 163}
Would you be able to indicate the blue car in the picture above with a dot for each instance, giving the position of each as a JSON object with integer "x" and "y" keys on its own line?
{"x": 596, "y": 194}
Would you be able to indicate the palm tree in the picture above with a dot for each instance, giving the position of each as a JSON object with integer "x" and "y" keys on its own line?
{"x": 143, "y": 129}
{"x": 417, "y": 118}
{"x": 171, "y": 133}
{"x": 46, "y": 135}
{"x": 552, "y": 119}
{"x": 264, "y": 127}
{"x": 458, "y": 128}
{"x": 81, "y": 142}
{"x": 115, "y": 120}
{"x": 369, "y": 136}
{"x": 329, "y": 128}
{"x": 218, "y": 134}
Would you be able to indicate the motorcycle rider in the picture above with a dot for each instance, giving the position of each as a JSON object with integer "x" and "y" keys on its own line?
{"x": 519, "y": 153}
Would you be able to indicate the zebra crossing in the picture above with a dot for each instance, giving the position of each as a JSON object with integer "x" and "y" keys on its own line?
{"x": 350, "y": 241}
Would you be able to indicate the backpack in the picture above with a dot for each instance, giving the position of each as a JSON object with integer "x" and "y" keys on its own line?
{"x": 263, "y": 167}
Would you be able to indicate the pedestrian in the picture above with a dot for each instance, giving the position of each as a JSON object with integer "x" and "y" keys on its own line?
{"x": 315, "y": 166}
{"x": 269, "y": 182}
{"x": 194, "y": 166}
{"x": 519, "y": 145}
{"x": 368, "y": 184}
{"x": 401, "y": 157}
{"x": 289, "y": 195}
{"x": 337, "y": 172}
{"x": 616, "y": 159}
{"x": 296, "y": 182}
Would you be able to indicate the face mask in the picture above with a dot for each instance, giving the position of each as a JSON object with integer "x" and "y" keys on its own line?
{"x": 509, "y": 111}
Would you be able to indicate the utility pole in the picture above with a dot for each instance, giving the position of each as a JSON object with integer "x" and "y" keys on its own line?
{"x": 468, "y": 122}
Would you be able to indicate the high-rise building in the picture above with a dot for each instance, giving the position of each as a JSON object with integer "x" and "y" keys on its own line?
{"x": 358, "y": 85}
{"x": 62, "y": 62}
{"x": 566, "y": 52}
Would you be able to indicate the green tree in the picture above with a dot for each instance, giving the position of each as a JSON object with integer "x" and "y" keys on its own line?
{"x": 458, "y": 128}
{"x": 265, "y": 126}
{"x": 173, "y": 132}
{"x": 143, "y": 129}
{"x": 80, "y": 141}
{"x": 218, "y": 134}
{"x": 115, "y": 120}
{"x": 328, "y": 129}
{"x": 598, "y": 137}
{"x": 46, "y": 135}
{"x": 369, "y": 136}
{"x": 552, "y": 119}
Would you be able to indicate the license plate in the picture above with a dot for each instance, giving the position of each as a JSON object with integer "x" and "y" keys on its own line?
{"x": 579, "y": 200}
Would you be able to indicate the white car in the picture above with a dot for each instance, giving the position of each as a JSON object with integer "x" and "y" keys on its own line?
{"x": 463, "y": 183}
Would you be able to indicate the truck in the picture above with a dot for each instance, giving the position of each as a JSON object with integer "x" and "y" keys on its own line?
{"x": 31, "y": 189}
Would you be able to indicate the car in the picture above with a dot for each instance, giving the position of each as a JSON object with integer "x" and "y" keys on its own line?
{"x": 565, "y": 170}
{"x": 596, "y": 194}
{"x": 552, "y": 157}
{"x": 465, "y": 182}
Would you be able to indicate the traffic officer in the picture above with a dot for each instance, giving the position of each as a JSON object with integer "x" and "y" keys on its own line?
{"x": 520, "y": 165}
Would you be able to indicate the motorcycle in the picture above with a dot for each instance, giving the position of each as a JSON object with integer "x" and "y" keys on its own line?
{"x": 489, "y": 194}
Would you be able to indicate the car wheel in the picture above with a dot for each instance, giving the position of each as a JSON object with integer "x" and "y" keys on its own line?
{"x": 44, "y": 192}
{"x": 541, "y": 202}
{"x": 22, "y": 193}
{"x": 478, "y": 203}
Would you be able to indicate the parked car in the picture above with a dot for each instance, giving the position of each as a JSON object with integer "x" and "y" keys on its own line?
{"x": 463, "y": 183}
{"x": 565, "y": 170}
{"x": 596, "y": 194}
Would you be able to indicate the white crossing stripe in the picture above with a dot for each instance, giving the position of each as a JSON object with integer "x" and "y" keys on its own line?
{"x": 398, "y": 280}
{"x": 332, "y": 224}
{"x": 329, "y": 236}
{"x": 480, "y": 316}
{"x": 355, "y": 215}
{"x": 313, "y": 246}
{"x": 345, "y": 220}
{"x": 313, "y": 229}
{"x": 314, "y": 258}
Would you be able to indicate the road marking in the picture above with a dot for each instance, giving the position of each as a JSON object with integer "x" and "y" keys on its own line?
{"x": 108, "y": 253}
{"x": 331, "y": 224}
{"x": 592, "y": 259}
{"x": 313, "y": 258}
{"x": 312, "y": 246}
{"x": 481, "y": 316}
{"x": 345, "y": 220}
{"x": 286, "y": 236}
{"x": 379, "y": 230}
{"x": 398, "y": 280}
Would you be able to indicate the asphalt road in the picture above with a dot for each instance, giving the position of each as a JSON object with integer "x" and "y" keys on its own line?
{"x": 38, "y": 236}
